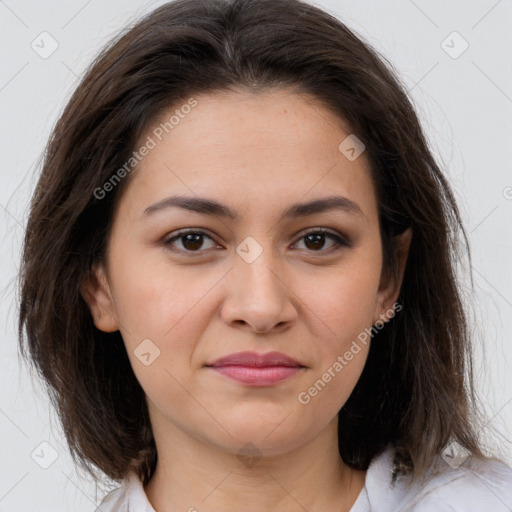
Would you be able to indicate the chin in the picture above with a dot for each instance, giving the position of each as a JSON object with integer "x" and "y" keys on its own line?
{"x": 263, "y": 438}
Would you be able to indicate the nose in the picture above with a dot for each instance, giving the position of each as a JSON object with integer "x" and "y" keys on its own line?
{"x": 258, "y": 298}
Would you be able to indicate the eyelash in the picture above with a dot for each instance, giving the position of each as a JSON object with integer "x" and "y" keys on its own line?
{"x": 340, "y": 241}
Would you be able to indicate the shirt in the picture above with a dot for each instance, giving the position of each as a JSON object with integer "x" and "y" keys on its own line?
{"x": 476, "y": 485}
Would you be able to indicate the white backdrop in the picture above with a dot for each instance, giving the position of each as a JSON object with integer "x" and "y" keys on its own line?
{"x": 454, "y": 58}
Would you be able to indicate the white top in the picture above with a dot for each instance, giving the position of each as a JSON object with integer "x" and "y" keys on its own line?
{"x": 474, "y": 486}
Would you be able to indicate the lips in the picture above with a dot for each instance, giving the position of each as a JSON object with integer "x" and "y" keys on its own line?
{"x": 253, "y": 369}
{"x": 255, "y": 360}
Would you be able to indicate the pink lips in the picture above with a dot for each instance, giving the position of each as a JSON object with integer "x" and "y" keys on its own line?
{"x": 257, "y": 369}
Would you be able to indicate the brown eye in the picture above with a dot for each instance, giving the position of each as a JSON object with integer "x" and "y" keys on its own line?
{"x": 193, "y": 241}
{"x": 315, "y": 240}
{"x": 190, "y": 241}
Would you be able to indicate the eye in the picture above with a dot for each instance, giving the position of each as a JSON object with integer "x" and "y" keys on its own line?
{"x": 315, "y": 240}
{"x": 190, "y": 239}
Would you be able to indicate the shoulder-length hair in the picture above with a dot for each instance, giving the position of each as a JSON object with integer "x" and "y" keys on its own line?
{"x": 416, "y": 391}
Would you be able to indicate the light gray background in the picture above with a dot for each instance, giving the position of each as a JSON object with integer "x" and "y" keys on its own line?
{"x": 465, "y": 104}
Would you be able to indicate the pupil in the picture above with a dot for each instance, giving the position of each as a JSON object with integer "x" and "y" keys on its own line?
{"x": 317, "y": 239}
{"x": 193, "y": 241}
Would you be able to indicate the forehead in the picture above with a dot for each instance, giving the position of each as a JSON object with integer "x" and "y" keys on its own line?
{"x": 261, "y": 149}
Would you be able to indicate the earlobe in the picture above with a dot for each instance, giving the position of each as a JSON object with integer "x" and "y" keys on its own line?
{"x": 390, "y": 285}
{"x": 95, "y": 290}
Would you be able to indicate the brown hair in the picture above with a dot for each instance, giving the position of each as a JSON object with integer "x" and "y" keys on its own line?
{"x": 416, "y": 390}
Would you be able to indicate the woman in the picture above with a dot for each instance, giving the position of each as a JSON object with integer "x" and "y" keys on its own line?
{"x": 239, "y": 275}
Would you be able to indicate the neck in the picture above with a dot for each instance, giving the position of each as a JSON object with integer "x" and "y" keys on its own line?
{"x": 193, "y": 475}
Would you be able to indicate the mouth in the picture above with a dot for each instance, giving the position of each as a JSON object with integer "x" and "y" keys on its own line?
{"x": 256, "y": 369}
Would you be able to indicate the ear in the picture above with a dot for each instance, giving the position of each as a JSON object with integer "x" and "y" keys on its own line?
{"x": 95, "y": 290}
{"x": 389, "y": 287}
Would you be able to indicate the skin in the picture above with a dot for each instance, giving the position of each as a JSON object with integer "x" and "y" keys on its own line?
{"x": 257, "y": 153}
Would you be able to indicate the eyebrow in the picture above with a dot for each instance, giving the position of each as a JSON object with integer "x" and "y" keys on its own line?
{"x": 211, "y": 207}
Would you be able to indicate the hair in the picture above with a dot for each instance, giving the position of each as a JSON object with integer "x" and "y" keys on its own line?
{"x": 416, "y": 391}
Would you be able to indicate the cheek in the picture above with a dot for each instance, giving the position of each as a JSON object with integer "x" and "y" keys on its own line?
{"x": 345, "y": 303}
{"x": 163, "y": 305}
{"x": 345, "y": 299}
{"x": 153, "y": 299}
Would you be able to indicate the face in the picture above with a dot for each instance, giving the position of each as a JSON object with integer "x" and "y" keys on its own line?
{"x": 261, "y": 272}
